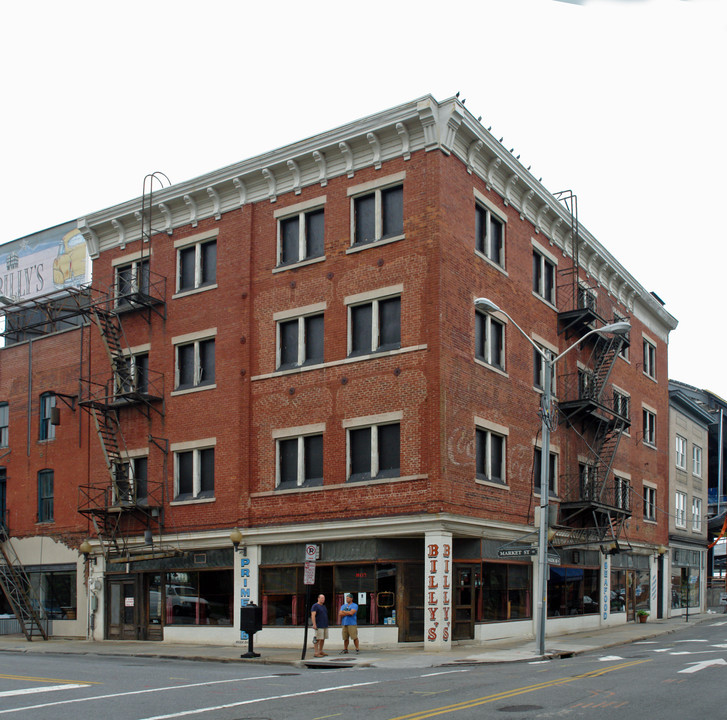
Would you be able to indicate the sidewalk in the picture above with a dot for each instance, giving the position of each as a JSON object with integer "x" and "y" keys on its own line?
{"x": 413, "y": 656}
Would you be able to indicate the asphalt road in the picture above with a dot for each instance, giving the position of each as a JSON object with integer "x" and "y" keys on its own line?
{"x": 676, "y": 677}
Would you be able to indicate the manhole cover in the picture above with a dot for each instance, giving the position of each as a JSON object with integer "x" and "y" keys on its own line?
{"x": 520, "y": 708}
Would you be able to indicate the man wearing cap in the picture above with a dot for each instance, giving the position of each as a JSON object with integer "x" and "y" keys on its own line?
{"x": 347, "y": 617}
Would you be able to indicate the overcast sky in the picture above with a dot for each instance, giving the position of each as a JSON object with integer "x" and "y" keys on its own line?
{"x": 621, "y": 101}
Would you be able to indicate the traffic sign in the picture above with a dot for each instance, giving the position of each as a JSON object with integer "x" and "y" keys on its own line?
{"x": 517, "y": 552}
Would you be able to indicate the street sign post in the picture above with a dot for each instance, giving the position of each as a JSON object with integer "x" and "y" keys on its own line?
{"x": 309, "y": 578}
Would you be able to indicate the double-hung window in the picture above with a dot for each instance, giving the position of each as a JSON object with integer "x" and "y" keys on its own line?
{"x": 621, "y": 493}
{"x": 489, "y": 340}
{"x": 697, "y": 514}
{"x": 374, "y": 450}
{"x": 696, "y": 461}
{"x": 45, "y": 496}
{"x": 300, "y": 234}
{"x": 47, "y": 428}
{"x": 374, "y": 325}
{"x": 489, "y": 235}
{"x": 300, "y": 339}
{"x": 194, "y": 473}
{"x": 195, "y": 362}
{"x": 680, "y": 518}
{"x": 4, "y": 424}
{"x": 299, "y": 458}
{"x": 649, "y": 359}
{"x": 490, "y": 456}
{"x": 132, "y": 279}
{"x": 196, "y": 264}
{"x": 540, "y": 365}
{"x": 649, "y": 427}
{"x": 131, "y": 481}
{"x": 543, "y": 277}
{"x": 132, "y": 374}
{"x": 552, "y": 471}
{"x": 621, "y": 404}
{"x": 377, "y": 211}
{"x": 649, "y": 503}
{"x": 624, "y": 350}
{"x": 681, "y": 452}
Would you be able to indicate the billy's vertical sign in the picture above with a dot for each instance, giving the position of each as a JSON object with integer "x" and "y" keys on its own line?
{"x": 438, "y": 591}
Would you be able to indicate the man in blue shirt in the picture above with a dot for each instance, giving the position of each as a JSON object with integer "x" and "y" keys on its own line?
{"x": 349, "y": 627}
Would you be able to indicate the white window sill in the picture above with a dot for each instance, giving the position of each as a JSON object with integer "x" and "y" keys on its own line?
{"x": 299, "y": 264}
{"x": 492, "y": 483}
{"x": 376, "y": 243}
{"x": 193, "y": 291}
{"x": 193, "y": 501}
{"x": 187, "y": 391}
{"x": 491, "y": 262}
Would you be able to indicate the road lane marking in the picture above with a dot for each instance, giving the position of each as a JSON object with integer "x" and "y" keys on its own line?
{"x": 505, "y": 694}
{"x": 227, "y": 706}
{"x": 133, "y": 692}
{"x": 42, "y": 689}
{"x": 445, "y": 672}
{"x": 30, "y": 678}
{"x": 697, "y": 666}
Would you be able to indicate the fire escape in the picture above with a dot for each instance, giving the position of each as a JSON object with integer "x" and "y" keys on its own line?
{"x": 595, "y": 503}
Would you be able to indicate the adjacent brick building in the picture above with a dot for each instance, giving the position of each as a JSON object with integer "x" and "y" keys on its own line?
{"x": 291, "y": 348}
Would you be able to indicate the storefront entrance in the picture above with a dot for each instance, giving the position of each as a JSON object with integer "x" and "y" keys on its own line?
{"x": 133, "y": 607}
{"x": 466, "y": 578}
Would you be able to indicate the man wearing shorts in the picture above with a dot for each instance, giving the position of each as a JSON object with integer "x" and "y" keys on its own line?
{"x": 319, "y": 620}
{"x": 347, "y": 615}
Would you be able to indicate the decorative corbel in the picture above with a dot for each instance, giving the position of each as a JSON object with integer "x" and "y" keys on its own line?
{"x": 167, "y": 215}
{"x": 524, "y": 205}
{"x": 214, "y": 196}
{"x": 453, "y": 125}
{"x": 89, "y": 236}
{"x": 404, "y": 135}
{"x": 192, "y": 205}
{"x": 272, "y": 186}
{"x": 474, "y": 148}
{"x": 554, "y": 229}
{"x": 509, "y": 185}
{"x": 320, "y": 159}
{"x": 295, "y": 172}
{"x": 496, "y": 162}
{"x": 120, "y": 231}
{"x": 540, "y": 217}
{"x": 376, "y": 148}
{"x": 429, "y": 124}
{"x": 241, "y": 189}
{"x": 345, "y": 149}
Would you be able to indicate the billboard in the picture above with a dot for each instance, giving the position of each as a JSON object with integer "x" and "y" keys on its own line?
{"x": 38, "y": 264}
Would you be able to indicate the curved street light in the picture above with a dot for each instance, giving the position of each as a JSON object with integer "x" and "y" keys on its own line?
{"x": 618, "y": 328}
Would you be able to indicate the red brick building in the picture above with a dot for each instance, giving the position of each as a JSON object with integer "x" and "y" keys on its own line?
{"x": 289, "y": 346}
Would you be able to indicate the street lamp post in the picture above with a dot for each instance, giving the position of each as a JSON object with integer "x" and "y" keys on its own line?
{"x": 619, "y": 328}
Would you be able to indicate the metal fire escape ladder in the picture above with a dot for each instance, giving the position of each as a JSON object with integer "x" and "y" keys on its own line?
{"x": 16, "y": 586}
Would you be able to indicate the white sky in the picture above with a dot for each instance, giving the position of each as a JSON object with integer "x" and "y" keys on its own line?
{"x": 621, "y": 101}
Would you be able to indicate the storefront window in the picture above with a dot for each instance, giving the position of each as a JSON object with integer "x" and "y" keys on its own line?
{"x": 684, "y": 587}
{"x": 506, "y": 592}
{"x": 56, "y": 591}
{"x": 572, "y": 591}
{"x": 618, "y": 591}
{"x": 199, "y": 598}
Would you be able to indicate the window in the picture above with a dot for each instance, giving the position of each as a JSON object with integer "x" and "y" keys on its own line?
{"x": 378, "y": 215}
{"x": 506, "y": 591}
{"x": 131, "y": 279}
{"x": 539, "y": 365}
{"x": 587, "y": 478}
{"x": 375, "y": 326}
{"x": 621, "y": 493}
{"x": 194, "y": 474}
{"x": 300, "y": 237}
{"x": 649, "y": 423}
{"x": 490, "y": 456}
{"x": 197, "y": 265}
{"x": 649, "y": 503}
{"x": 373, "y": 452}
{"x": 4, "y": 424}
{"x": 195, "y": 364}
{"x": 47, "y": 428}
{"x": 194, "y": 598}
{"x": 680, "y": 516}
{"x": 543, "y": 277}
{"x": 696, "y": 460}
{"x": 299, "y": 461}
{"x": 649, "y": 359}
{"x": 624, "y": 350}
{"x": 573, "y": 591}
{"x": 489, "y": 340}
{"x": 45, "y": 496}
{"x": 622, "y": 404}
{"x": 300, "y": 341}
{"x": 489, "y": 235}
{"x": 132, "y": 374}
{"x": 131, "y": 481}
{"x": 697, "y": 514}
{"x": 3, "y": 500}
{"x": 552, "y": 471}
{"x": 681, "y": 452}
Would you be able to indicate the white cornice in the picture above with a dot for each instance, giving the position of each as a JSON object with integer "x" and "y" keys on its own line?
{"x": 423, "y": 124}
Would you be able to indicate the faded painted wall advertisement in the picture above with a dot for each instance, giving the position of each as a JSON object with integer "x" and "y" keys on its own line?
{"x": 53, "y": 259}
